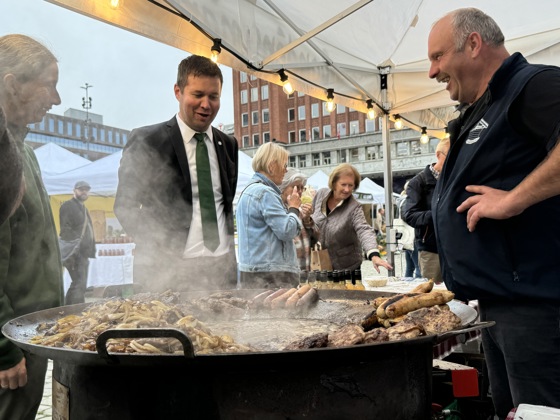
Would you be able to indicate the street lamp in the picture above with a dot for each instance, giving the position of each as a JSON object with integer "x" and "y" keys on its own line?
{"x": 86, "y": 104}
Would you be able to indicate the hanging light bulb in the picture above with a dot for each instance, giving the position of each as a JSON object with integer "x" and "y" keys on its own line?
{"x": 424, "y": 138}
{"x": 446, "y": 133}
{"x": 216, "y": 50}
{"x": 286, "y": 85}
{"x": 398, "y": 122}
{"x": 330, "y": 100}
{"x": 370, "y": 110}
{"x": 114, "y": 3}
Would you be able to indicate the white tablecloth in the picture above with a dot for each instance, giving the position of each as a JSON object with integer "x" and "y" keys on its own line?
{"x": 108, "y": 271}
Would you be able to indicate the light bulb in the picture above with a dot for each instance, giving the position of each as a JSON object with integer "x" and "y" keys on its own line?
{"x": 398, "y": 122}
{"x": 370, "y": 110}
{"x": 330, "y": 100}
{"x": 114, "y": 3}
{"x": 215, "y": 50}
{"x": 446, "y": 133}
{"x": 424, "y": 138}
{"x": 286, "y": 85}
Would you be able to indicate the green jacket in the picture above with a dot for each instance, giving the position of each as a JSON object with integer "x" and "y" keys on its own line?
{"x": 30, "y": 266}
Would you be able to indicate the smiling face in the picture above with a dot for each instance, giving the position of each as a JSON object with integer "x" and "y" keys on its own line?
{"x": 450, "y": 66}
{"x": 199, "y": 102}
{"x": 343, "y": 187}
{"x": 32, "y": 99}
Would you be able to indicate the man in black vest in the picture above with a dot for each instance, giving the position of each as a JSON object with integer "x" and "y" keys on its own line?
{"x": 498, "y": 195}
{"x": 75, "y": 222}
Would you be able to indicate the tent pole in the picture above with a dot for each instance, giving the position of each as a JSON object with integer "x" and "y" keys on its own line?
{"x": 388, "y": 177}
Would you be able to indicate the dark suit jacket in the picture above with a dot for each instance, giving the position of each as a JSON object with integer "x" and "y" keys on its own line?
{"x": 72, "y": 224}
{"x": 154, "y": 198}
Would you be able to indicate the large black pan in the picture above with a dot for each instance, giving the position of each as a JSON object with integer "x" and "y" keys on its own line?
{"x": 334, "y": 305}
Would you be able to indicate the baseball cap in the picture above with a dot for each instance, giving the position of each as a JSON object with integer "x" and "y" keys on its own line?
{"x": 82, "y": 184}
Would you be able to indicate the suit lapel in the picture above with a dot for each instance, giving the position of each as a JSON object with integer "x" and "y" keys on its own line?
{"x": 176, "y": 139}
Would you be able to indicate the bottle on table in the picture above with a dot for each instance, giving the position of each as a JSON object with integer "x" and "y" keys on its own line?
{"x": 358, "y": 280}
{"x": 348, "y": 280}
{"x": 303, "y": 276}
{"x": 330, "y": 282}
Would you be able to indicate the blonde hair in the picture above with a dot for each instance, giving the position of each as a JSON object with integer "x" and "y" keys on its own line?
{"x": 344, "y": 169}
{"x": 266, "y": 155}
{"x": 443, "y": 146}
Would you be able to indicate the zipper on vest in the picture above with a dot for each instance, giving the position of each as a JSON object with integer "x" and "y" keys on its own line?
{"x": 515, "y": 276}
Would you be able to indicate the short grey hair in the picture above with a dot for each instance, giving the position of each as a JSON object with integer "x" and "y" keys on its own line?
{"x": 292, "y": 175}
{"x": 468, "y": 20}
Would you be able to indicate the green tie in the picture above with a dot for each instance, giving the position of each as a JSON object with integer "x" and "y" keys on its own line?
{"x": 206, "y": 195}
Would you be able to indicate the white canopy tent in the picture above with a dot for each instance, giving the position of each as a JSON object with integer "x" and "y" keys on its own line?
{"x": 54, "y": 159}
{"x": 358, "y": 50}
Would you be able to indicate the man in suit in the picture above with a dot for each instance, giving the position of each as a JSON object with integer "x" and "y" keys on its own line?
{"x": 159, "y": 196}
{"x": 75, "y": 222}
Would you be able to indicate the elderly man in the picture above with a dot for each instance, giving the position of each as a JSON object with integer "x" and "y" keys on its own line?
{"x": 499, "y": 185}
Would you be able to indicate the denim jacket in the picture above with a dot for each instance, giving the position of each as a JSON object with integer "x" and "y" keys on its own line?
{"x": 266, "y": 229}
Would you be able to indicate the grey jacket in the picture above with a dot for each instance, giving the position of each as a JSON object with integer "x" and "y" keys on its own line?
{"x": 344, "y": 232}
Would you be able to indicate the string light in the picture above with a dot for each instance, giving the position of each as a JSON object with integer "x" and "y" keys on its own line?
{"x": 216, "y": 50}
{"x": 370, "y": 110}
{"x": 330, "y": 100}
{"x": 446, "y": 133}
{"x": 398, "y": 122}
{"x": 286, "y": 85}
{"x": 114, "y": 3}
{"x": 424, "y": 138}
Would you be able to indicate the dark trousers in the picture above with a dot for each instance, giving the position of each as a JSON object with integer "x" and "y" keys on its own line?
{"x": 23, "y": 403}
{"x": 412, "y": 265}
{"x": 77, "y": 266}
{"x": 522, "y": 353}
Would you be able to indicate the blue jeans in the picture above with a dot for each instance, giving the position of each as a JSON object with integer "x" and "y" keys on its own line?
{"x": 522, "y": 353}
{"x": 412, "y": 266}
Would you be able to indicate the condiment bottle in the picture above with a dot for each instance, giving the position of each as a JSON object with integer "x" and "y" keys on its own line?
{"x": 323, "y": 279}
{"x": 336, "y": 280}
{"x": 330, "y": 283}
{"x": 303, "y": 275}
{"x": 348, "y": 280}
{"x": 358, "y": 278}
{"x": 312, "y": 279}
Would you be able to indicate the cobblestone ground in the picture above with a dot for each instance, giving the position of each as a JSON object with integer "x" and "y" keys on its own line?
{"x": 45, "y": 410}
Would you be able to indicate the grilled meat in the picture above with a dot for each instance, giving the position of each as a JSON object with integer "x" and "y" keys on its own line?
{"x": 312, "y": 342}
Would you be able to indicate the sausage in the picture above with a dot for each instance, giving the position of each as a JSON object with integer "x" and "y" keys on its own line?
{"x": 292, "y": 300}
{"x": 423, "y": 300}
{"x": 280, "y": 301}
{"x": 269, "y": 298}
{"x": 257, "y": 301}
{"x": 425, "y": 287}
{"x": 308, "y": 299}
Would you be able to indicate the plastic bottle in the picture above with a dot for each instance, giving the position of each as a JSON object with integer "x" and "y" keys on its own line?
{"x": 336, "y": 280}
{"x": 358, "y": 278}
{"x": 348, "y": 280}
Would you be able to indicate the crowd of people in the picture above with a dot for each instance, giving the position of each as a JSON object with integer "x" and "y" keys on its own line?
{"x": 492, "y": 185}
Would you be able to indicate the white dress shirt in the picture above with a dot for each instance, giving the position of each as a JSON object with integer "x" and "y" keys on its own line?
{"x": 195, "y": 244}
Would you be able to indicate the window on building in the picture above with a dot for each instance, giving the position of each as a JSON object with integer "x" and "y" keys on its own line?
{"x": 300, "y": 94}
{"x": 327, "y": 131}
{"x": 117, "y": 137}
{"x": 110, "y": 136}
{"x": 124, "y": 138}
{"x": 255, "y": 117}
{"x": 266, "y": 137}
{"x": 354, "y": 154}
{"x": 265, "y": 116}
{"x": 102, "y": 134}
{"x": 245, "y": 141}
{"x": 315, "y": 133}
{"x": 302, "y": 161}
{"x": 79, "y": 132}
{"x": 256, "y": 139}
{"x": 242, "y": 77}
{"x": 315, "y": 110}
{"x": 51, "y": 125}
{"x": 341, "y": 130}
{"x": 254, "y": 94}
{"x": 325, "y": 110}
{"x": 416, "y": 148}
{"x": 291, "y": 114}
{"x": 290, "y": 96}
{"x": 370, "y": 126}
{"x": 253, "y": 77}
{"x": 60, "y": 127}
{"x": 354, "y": 128}
{"x": 316, "y": 159}
{"x": 340, "y": 109}
{"x": 342, "y": 156}
{"x": 301, "y": 112}
{"x": 94, "y": 134}
{"x": 264, "y": 92}
{"x": 302, "y": 135}
{"x": 402, "y": 148}
{"x": 292, "y": 162}
{"x": 291, "y": 136}
{"x": 326, "y": 158}
{"x": 68, "y": 128}
{"x": 243, "y": 95}
{"x": 244, "y": 119}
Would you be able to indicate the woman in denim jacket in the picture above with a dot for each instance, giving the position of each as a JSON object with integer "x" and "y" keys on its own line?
{"x": 265, "y": 227}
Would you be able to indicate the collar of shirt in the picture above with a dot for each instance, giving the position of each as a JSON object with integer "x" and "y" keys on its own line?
{"x": 188, "y": 133}
{"x": 434, "y": 172}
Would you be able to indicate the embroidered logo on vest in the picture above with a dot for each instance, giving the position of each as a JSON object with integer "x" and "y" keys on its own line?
{"x": 474, "y": 135}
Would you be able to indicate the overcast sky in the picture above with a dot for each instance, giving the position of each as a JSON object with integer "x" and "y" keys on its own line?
{"x": 132, "y": 76}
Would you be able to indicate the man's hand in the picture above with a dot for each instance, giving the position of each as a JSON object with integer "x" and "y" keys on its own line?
{"x": 380, "y": 262}
{"x": 15, "y": 377}
{"x": 488, "y": 203}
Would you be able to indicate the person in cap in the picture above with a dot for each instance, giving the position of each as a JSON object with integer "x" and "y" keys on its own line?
{"x": 30, "y": 268}
{"x": 75, "y": 223}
